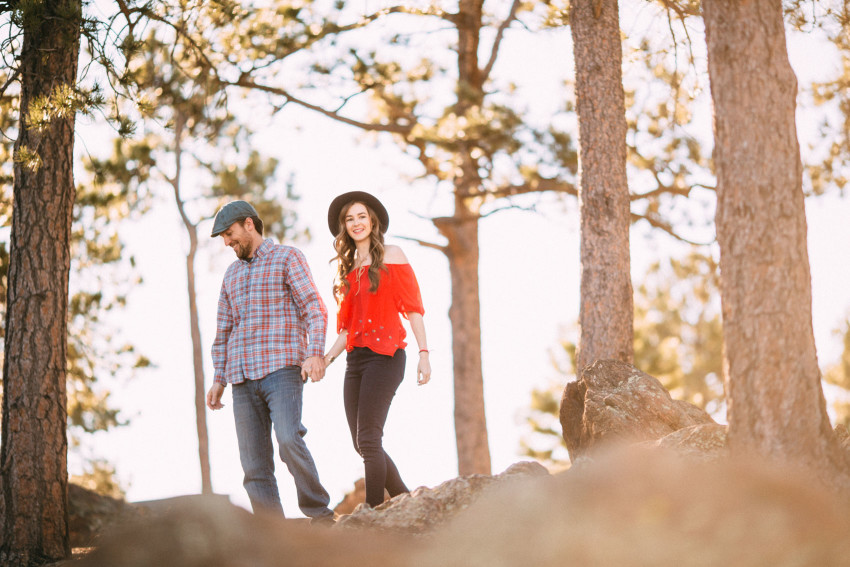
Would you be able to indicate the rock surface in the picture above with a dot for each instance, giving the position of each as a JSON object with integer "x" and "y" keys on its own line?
{"x": 704, "y": 442}
{"x": 629, "y": 509}
{"x": 212, "y": 532}
{"x": 843, "y": 436}
{"x": 353, "y": 499}
{"x": 614, "y": 402}
{"x": 89, "y": 513}
{"x": 425, "y": 509}
{"x": 643, "y": 507}
{"x": 667, "y": 499}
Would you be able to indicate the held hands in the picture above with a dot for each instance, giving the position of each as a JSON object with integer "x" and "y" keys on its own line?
{"x": 313, "y": 368}
{"x": 214, "y": 396}
{"x": 423, "y": 369}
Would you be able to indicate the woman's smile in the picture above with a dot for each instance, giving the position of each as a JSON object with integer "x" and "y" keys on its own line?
{"x": 357, "y": 222}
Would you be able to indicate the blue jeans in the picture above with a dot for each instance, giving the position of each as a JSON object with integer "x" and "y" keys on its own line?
{"x": 371, "y": 380}
{"x": 259, "y": 405}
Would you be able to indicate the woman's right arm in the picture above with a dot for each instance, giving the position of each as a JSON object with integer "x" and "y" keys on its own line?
{"x": 337, "y": 348}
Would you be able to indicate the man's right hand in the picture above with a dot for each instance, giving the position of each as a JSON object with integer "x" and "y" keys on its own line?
{"x": 313, "y": 368}
{"x": 214, "y": 396}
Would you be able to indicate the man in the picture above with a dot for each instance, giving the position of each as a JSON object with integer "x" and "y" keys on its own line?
{"x": 270, "y": 337}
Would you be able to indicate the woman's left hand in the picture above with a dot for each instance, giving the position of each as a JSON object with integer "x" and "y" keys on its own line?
{"x": 423, "y": 370}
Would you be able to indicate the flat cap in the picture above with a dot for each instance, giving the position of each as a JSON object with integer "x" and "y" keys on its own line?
{"x": 232, "y": 212}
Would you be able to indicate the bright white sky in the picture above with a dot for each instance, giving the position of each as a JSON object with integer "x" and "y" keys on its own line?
{"x": 529, "y": 294}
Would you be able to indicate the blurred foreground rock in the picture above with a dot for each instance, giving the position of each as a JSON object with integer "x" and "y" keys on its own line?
{"x": 634, "y": 508}
{"x": 211, "y": 532}
{"x": 643, "y": 507}
{"x": 425, "y": 509}
{"x": 89, "y": 513}
{"x": 614, "y": 402}
{"x": 667, "y": 499}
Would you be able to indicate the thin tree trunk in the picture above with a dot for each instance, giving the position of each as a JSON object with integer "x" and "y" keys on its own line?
{"x": 33, "y": 458}
{"x": 198, "y": 365}
{"x": 197, "y": 350}
{"x": 473, "y": 451}
{"x": 606, "y": 312}
{"x": 776, "y": 404}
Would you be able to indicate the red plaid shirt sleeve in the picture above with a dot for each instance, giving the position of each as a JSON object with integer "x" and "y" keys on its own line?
{"x": 270, "y": 315}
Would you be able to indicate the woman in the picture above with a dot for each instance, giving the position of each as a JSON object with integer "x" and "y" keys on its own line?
{"x": 374, "y": 285}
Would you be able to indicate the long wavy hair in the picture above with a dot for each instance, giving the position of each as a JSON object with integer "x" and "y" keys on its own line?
{"x": 345, "y": 249}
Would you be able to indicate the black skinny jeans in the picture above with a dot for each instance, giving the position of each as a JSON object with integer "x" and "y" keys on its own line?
{"x": 371, "y": 380}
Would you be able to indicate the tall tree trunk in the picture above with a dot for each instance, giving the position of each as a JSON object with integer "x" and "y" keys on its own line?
{"x": 606, "y": 313}
{"x": 461, "y": 231}
{"x": 776, "y": 404}
{"x": 473, "y": 451}
{"x": 195, "y": 328}
{"x": 33, "y": 458}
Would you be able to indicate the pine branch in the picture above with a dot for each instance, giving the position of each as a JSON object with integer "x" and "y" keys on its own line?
{"x": 426, "y": 244}
{"x": 247, "y": 83}
{"x": 498, "y": 41}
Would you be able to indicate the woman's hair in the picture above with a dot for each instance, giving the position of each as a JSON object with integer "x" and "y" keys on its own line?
{"x": 345, "y": 249}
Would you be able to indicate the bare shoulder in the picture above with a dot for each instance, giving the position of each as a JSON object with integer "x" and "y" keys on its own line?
{"x": 394, "y": 255}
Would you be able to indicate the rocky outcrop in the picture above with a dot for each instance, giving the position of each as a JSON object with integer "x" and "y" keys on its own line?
{"x": 639, "y": 507}
{"x": 703, "y": 442}
{"x": 353, "y": 499}
{"x": 212, "y": 532}
{"x": 629, "y": 509}
{"x": 425, "y": 509}
{"x": 89, "y": 513}
{"x": 614, "y": 402}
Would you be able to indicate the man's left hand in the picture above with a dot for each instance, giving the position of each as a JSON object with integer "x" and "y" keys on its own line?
{"x": 313, "y": 368}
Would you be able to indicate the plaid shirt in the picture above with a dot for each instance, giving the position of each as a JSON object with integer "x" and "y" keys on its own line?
{"x": 270, "y": 315}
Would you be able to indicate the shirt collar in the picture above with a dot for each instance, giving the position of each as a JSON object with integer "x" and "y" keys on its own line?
{"x": 264, "y": 248}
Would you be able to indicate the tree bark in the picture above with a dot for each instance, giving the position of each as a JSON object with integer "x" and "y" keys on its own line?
{"x": 776, "y": 404}
{"x": 473, "y": 450}
{"x": 606, "y": 312}
{"x": 33, "y": 458}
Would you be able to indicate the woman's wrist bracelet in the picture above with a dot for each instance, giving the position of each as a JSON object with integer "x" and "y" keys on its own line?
{"x": 421, "y": 350}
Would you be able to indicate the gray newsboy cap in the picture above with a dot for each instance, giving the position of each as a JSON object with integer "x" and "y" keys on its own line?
{"x": 232, "y": 212}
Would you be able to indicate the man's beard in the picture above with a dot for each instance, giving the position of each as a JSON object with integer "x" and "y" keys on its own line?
{"x": 243, "y": 250}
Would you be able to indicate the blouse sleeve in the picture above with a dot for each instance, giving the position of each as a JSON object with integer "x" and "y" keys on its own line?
{"x": 343, "y": 314}
{"x": 406, "y": 290}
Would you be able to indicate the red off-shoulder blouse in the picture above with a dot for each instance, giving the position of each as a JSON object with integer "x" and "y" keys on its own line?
{"x": 372, "y": 319}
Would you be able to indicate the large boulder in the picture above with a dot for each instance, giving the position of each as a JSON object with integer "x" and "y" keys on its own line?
{"x": 644, "y": 507}
{"x": 614, "y": 402}
{"x": 425, "y": 509}
{"x": 212, "y": 532}
{"x": 90, "y": 512}
{"x": 629, "y": 509}
{"x": 706, "y": 441}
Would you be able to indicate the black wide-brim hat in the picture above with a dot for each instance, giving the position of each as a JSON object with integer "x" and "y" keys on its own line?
{"x": 356, "y": 197}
